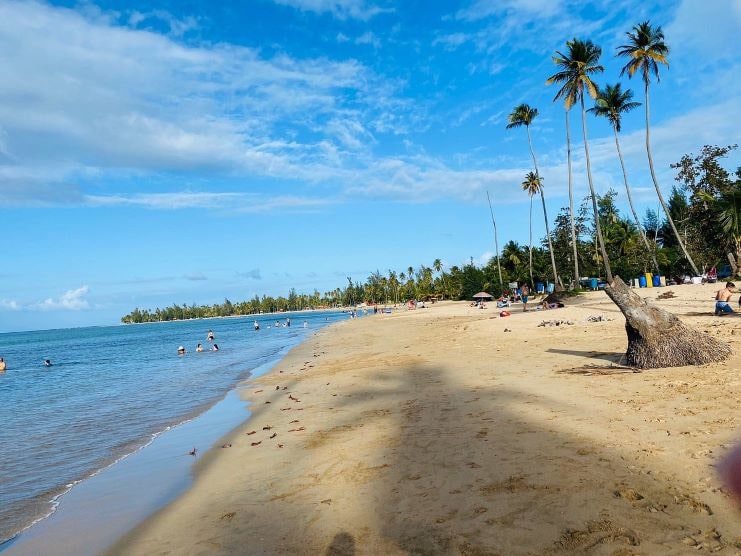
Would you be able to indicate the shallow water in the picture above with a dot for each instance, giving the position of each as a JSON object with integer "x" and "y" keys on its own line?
{"x": 109, "y": 391}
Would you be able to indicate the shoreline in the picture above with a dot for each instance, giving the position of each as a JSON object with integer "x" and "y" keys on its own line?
{"x": 450, "y": 429}
{"x": 70, "y": 514}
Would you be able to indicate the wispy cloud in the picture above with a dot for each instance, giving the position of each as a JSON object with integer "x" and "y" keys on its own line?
{"x": 253, "y": 274}
{"x": 195, "y": 276}
{"x": 341, "y": 9}
{"x": 10, "y": 304}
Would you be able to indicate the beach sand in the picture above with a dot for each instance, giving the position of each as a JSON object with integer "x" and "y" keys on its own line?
{"x": 450, "y": 430}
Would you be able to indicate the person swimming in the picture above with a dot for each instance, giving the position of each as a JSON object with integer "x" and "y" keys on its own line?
{"x": 3, "y": 365}
{"x": 215, "y": 347}
{"x": 257, "y": 325}
{"x": 210, "y": 336}
{"x": 181, "y": 350}
{"x": 47, "y": 363}
{"x": 199, "y": 348}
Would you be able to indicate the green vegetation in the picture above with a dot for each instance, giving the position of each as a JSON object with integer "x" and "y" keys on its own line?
{"x": 701, "y": 221}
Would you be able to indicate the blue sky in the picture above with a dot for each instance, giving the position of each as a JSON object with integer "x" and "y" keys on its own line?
{"x": 186, "y": 151}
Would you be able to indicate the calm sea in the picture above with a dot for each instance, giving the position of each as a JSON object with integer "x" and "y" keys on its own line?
{"x": 110, "y": 390}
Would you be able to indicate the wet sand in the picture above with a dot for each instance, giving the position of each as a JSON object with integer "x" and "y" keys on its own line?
{"x": 450, "y": 430}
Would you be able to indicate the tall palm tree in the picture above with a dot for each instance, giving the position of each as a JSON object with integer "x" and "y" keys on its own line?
{"x": 575, "y": 69}
{"x": 645, "y": 50}
{"x": 531, "y": 185}
{"x": 524, "y": 114}
{"x": 612, "y": 102}
{"x": 437, "y": 264}
{"x": 496, "y": 243}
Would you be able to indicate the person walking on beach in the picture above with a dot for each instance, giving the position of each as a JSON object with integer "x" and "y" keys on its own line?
{"x": 524, "y": 293}
{"x": 722, "y": 298}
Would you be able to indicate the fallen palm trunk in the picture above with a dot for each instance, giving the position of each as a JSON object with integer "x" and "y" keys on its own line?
{"x": 657, "y": 338}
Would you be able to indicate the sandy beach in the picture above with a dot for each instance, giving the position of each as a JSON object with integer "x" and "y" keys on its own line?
{"x": 450, "y": 430}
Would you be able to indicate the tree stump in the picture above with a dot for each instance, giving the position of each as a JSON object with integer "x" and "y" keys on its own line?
{"x": 657, "y": 338}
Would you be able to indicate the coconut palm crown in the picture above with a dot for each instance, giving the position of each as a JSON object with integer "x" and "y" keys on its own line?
{"x": 532, "y": 184}
{"x": 646, "y": 50}
{"x": 612, "y": 102}
{"x": 575, "y": 68}
{"x": 522, "y": 114}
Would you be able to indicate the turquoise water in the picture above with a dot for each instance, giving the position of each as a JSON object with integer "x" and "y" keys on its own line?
{"x": 109, "y": 391}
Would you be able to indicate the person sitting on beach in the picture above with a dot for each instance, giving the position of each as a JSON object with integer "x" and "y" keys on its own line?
{"x": 199, "y": 348}
{"x": 722, "y": 297}
{"x": 210, "y": 336}
{"x": 215, "y": 348}
{"x": 47, "y": 363}
{"x": 181, "y": 350}
{"x": 3, "y": 366}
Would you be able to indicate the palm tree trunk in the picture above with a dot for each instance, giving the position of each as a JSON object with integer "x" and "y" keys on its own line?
{"x": 545, "y": 215}
{"x": 630, "y": 203}
{"x": 496, "y": 244}
{"x": 658, "y": 189}
{"x": 532, "y": 283}
{"x": 571, "y": 203}
{"x": 606, "y": 260}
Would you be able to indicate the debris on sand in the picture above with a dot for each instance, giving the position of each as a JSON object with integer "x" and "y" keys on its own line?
{"x": 598, "y": 318}
{"x": 666, "y": 295}
{"x": 556, "y": 323}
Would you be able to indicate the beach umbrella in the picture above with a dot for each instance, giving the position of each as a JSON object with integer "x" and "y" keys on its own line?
{"x": 483, "y": 295}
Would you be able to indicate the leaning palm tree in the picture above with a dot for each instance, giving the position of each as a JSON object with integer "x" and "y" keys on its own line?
{"x": 612, "y": 102}
{"x": 645, "y": 50}
{"x": 524, "y": 115}
{"x": 575, "y": 69}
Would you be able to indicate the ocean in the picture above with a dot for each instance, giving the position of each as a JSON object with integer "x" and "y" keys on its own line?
{"x": 111, "y": 390}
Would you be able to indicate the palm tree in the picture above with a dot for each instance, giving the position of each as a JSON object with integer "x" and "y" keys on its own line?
{"x": 496, "y": 242}
{"x": 437, "y": 264}
{"x": 531, "y": 185}
{"x": 575, "y": 68}
{"x": 645, "y": 50}
{"x": 571, "y": 201}
{"x": 612, "y": 102}
{"x": 524, "y": 114}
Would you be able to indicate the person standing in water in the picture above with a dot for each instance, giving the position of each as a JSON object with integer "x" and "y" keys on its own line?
{"x": 210, "y": 336}
{"x": 257, "y": 325}
{"x": 3, "y": 366}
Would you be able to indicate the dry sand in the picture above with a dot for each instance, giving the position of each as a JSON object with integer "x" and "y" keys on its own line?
{"x": 449, "y": 430}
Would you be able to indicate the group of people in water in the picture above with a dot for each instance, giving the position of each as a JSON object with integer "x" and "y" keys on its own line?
{"x": 210, "y": 337}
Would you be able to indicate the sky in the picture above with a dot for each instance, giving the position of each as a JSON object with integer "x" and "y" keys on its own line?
{"x": 188, "y": 151}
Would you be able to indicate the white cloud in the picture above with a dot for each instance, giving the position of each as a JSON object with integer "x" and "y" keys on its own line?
{"x": 117, "y": 100}
{"x": 10, "y": 304}
{"x": 195, "y": 276}
{"x": 72, "y": 300}
{"x": 341, "y": 9}
{"x": 369, "y": 38}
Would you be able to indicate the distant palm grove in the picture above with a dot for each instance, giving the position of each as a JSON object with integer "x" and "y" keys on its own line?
{"x": 697, "y": 228}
